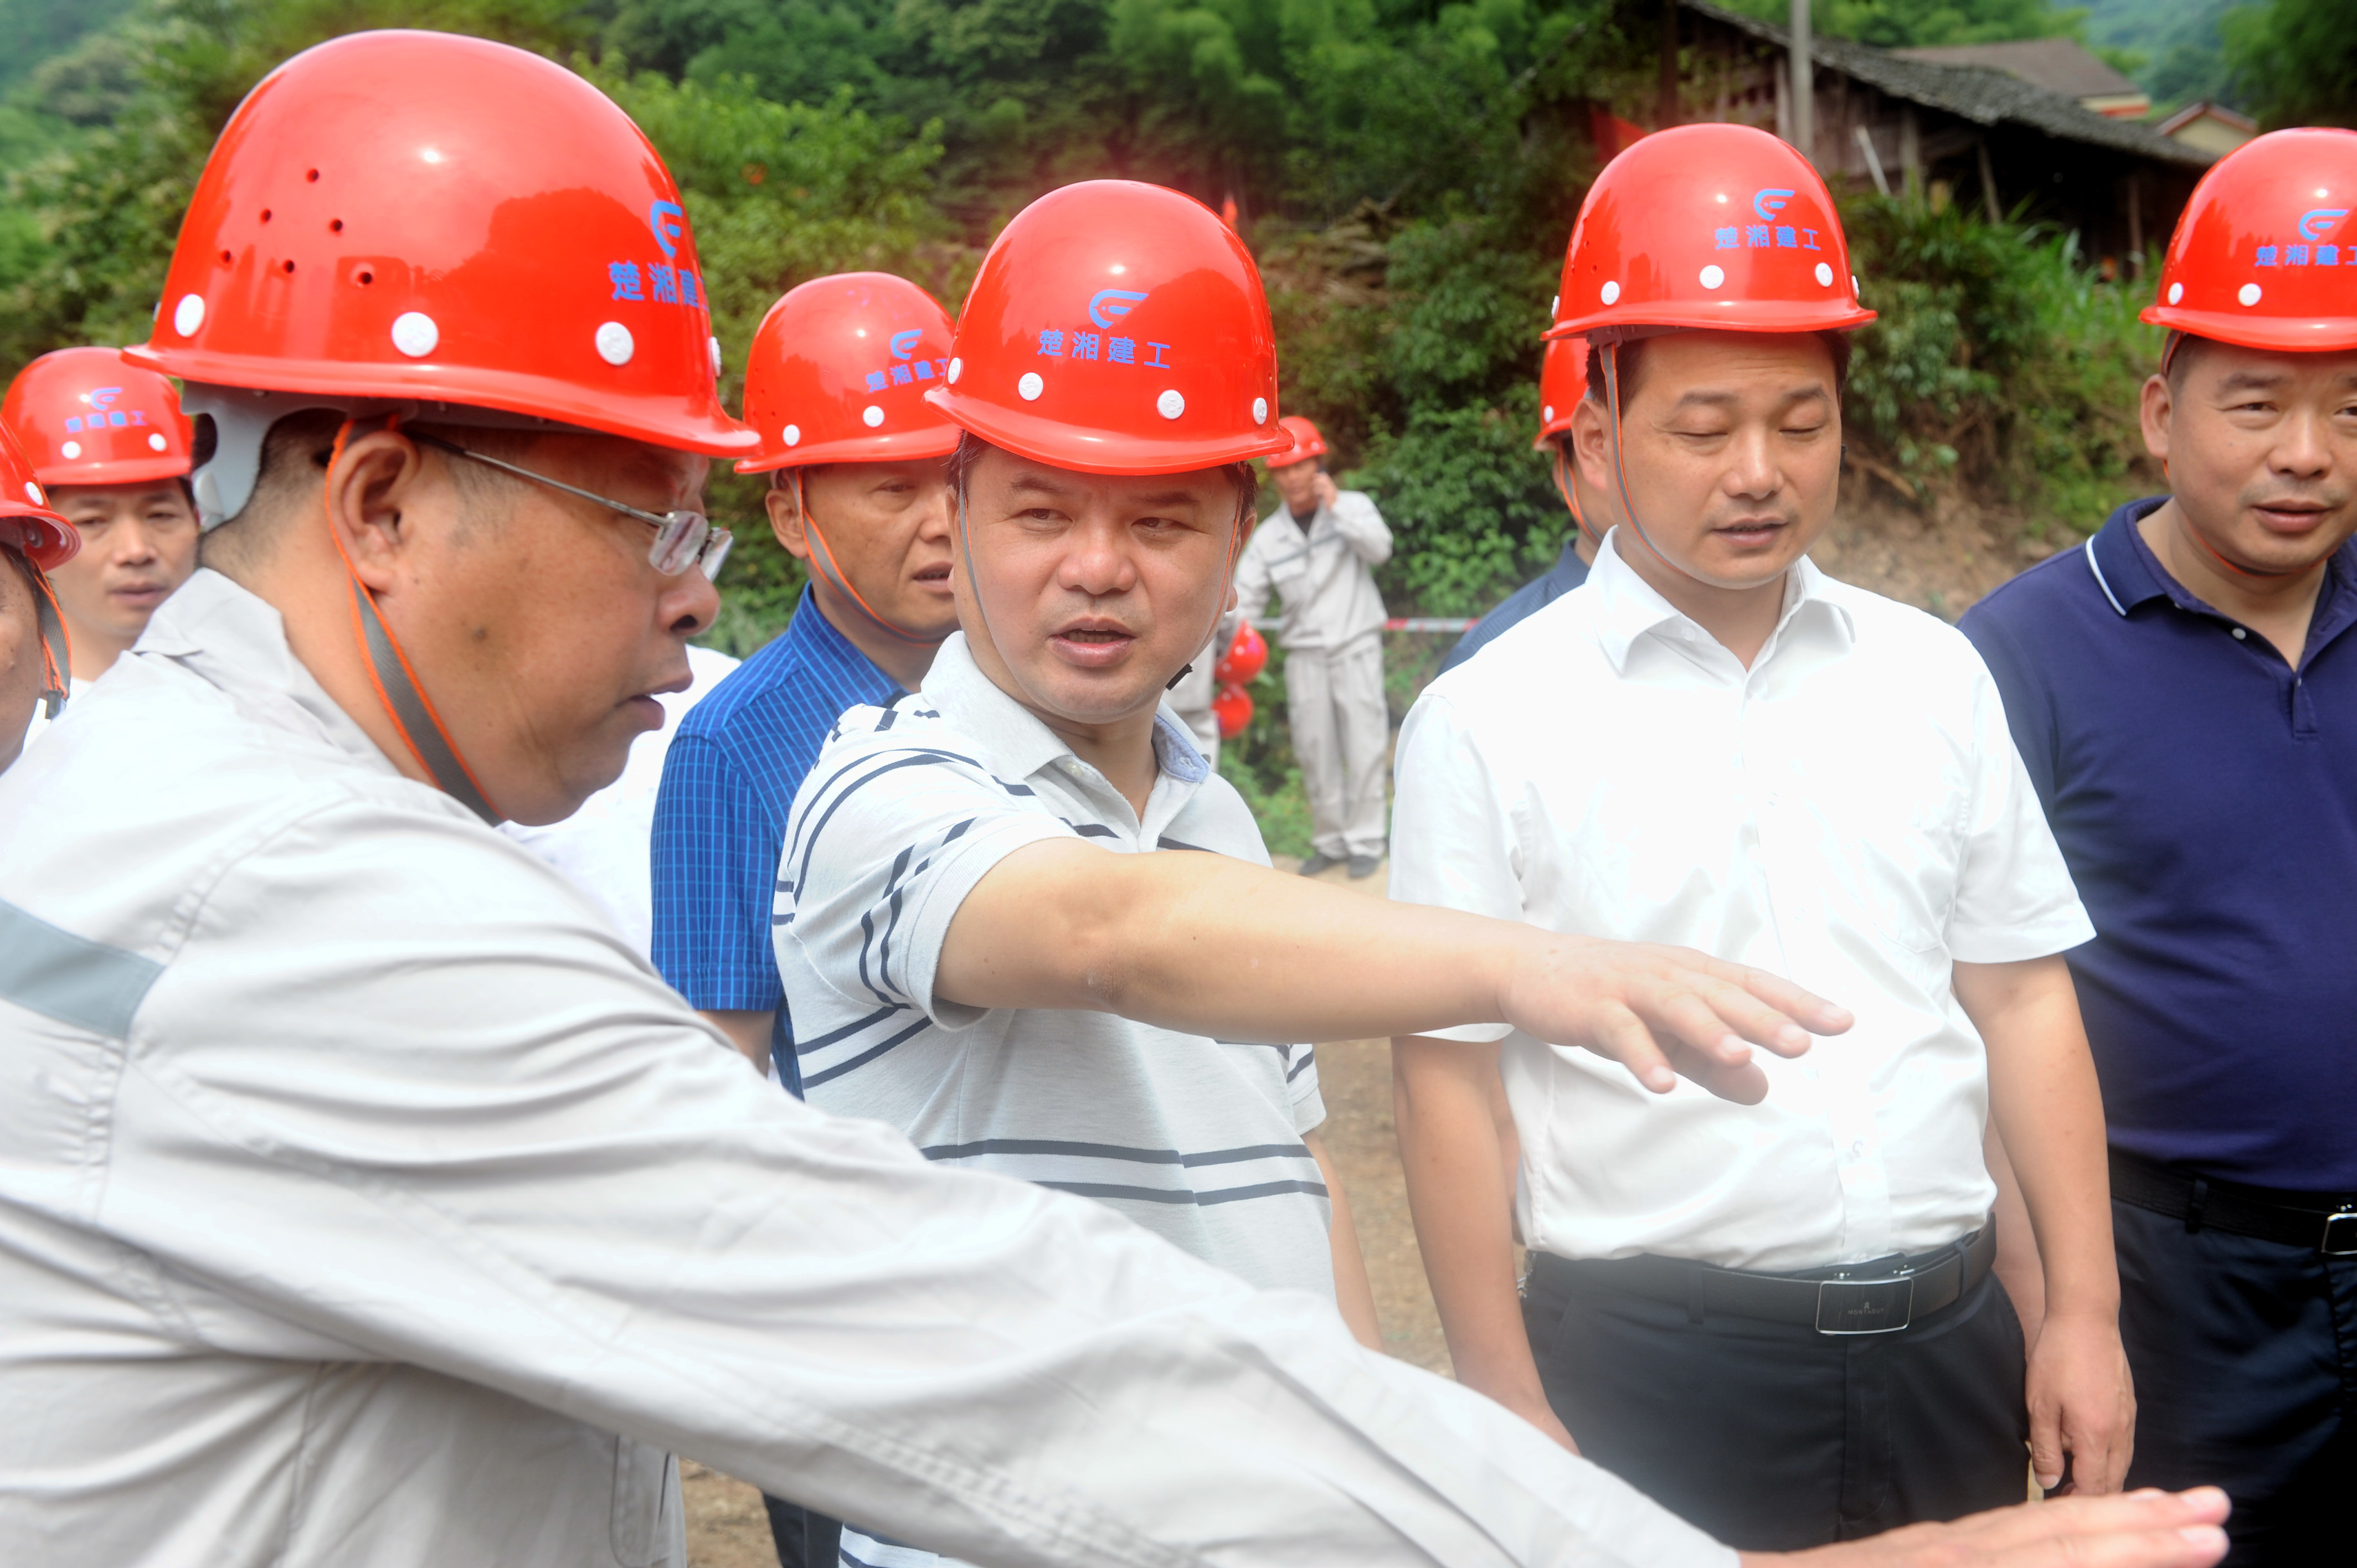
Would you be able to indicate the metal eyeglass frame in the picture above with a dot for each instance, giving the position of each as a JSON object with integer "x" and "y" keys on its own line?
{"x": 683, "y": 538}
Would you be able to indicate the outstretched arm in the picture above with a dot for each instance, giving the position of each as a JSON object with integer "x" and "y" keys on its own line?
{"x": 1214, "y": 946}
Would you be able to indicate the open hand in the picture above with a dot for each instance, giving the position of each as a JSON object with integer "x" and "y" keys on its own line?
{"x": 1663, "y": 1012}
{"x": 2150, "y": 1529}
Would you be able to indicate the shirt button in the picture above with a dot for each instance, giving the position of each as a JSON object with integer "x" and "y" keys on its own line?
{"x": 1857, "y": 1148}
{"x": 2240, "y": 634}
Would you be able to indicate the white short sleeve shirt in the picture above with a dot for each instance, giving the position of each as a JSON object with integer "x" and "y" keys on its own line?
{"x": 1849, "y": 812}
{"x": 908, "y": 808}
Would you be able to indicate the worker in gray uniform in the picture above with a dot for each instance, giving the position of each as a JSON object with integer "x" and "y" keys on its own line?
{"x": 1318, "y": 551}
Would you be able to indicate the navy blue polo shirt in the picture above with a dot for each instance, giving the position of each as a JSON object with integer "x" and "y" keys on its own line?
{"x": 2204, "y": 793}
{"x": 728, "y": 782}
{"x": 1567, "y": 572}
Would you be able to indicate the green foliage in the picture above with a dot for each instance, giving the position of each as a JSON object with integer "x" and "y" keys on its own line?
{"x": 1925, "y": 23}
{"x": 2296, "y": 61}
{"x": 2181, "y": 57}
{"x": 1997, "y": 361}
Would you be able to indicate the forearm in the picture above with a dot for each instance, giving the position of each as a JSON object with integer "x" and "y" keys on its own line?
{"x": 1064, "y": 925}
{"x": 1354, "y": 1294}
{"x": 1458, "y": 1197}
{"x": 2016, "y": 1248}
{"x": 749, "y": 1032}
{"x": 2048, "y": 1110}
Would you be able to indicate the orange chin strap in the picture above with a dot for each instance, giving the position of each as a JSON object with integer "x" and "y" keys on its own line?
{"x": 824, "y": 558}
{"x": 1562, "y": 469}
{"x": 56, "y": 648}
{"x": 412, "y": 714}
{"x": 1621, "y": 469}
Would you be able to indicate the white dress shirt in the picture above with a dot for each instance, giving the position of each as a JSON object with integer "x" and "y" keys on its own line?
{"x": 365, "y": 1202}
{"x": 1849, "y": 812}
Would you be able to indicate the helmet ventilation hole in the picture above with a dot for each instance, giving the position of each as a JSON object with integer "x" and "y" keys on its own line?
{"x": 265, "y": 215}
{"x": 312, "y": 174}
{"x": 335, "y": 225}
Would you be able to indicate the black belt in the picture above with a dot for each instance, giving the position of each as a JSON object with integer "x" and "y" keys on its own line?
{"x": 1879, "y": 1297}
{"x": 2317, "y": 1221}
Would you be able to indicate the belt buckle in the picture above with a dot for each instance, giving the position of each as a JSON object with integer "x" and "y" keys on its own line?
{"x": 2339, "y": 1234}
{"x": 1870, "y": 1306}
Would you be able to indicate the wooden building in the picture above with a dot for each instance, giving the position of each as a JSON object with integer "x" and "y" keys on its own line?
{"x": 1944, "y": 132}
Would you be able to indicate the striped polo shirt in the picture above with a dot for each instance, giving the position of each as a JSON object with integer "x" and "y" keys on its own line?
{"x": 909, "y": 807}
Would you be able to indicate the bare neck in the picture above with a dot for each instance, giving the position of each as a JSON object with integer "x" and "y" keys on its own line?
{"x": 1123, "y": 750}
{"x": 94, "y": 653}
{"x": 1740, "y": 620}
{"x": 2278, "y": 608}
{"x": 902, "y": 659}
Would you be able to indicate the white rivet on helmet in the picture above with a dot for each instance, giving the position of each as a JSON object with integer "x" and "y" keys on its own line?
{"x": 188, "y": 314}
{"x": 1825, "y": 274}
{"x": 871, "y": 416}
{"x": 1611, "y": 294}
{"x": 1854, "y": 286}
{"x": 156, "y": 441}
{"x": 957, "y": 369}
{"x": 1712, "y": 277}
{"x": 2176, "y": 291}
{"x": 415, "y": 334}
{"x": 1031, "y": 386}
{"x": 1260, "y": 411}
{"x": 713, "y": 344}
{"x": 2248, "y": 294}
{"x": 33, "y": 494}
{"x": 793, "y": 434}
{"x": 615, "y": 345}
{"x": 1546, "y": 414}
{"x": 1553, "y": 305}
{"x": 73, "y": 449}
{"x": 1171, "y": 405}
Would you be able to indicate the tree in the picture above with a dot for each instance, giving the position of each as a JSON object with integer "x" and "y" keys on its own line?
{"x": 2295, "y": 61}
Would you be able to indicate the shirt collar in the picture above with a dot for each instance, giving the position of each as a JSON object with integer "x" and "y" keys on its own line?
{"x": 236, "y": 641}
{"x": 1015, "y": 736}
{"x": 818, "y": 641}
{"x": 2124, "y": 565}
{"x": 1628, "y": 606}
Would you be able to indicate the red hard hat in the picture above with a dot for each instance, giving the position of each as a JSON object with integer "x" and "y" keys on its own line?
{"x": 1307, "y": 442}
{"x": 86, "y": 418}
{"x": 838, "y": 373}
{"x": 2249, "y": 262}
{"x": 26, "y": 523}
{"x": 1563, "y": 381}
{"x": 1718, "y": 227}
{"x": 1118, "y": 328}
{"x": 1232, "y": 706}
{"x": 1246, "y": 657}
{"x": 421, "y": 216}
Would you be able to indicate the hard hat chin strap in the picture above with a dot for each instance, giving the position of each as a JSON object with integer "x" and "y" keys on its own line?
{"x": 1562, "y": 470}
{"x": 56, "y": 648}
{"x": 412, "y": 714}
{"x": 1620, "y": 469}
{"x": 823, "y": 557}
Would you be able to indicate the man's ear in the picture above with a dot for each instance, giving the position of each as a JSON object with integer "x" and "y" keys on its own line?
{"x": 786, "y": 519}
{"x": 1592, "y": 445}
{"x": 379, "y": 477}
{"x": 2156, "y": 406}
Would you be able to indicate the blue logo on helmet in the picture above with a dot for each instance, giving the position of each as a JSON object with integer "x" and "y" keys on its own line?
{"x": 2313, "y": 223}
{"x": 101, "y": 398}
{"x": 1108, "y": 306}
{"x": 666, "y": 220}
{"x": 905, "y": 343}
{"x": 1769, "y": 202}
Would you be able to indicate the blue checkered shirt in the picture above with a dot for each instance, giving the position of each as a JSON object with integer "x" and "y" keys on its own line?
{"x": 720, "y": 821}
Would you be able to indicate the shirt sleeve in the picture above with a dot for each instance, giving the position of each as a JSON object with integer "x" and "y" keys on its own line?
{"x": 1362, "y": 527}
{"x": 2015, "y": 898}
{"x": 1452, "y": 841}
{"x": 891, "y": 830}
{"x": 713, "y": 857}
{"x": 1301, "y": 1084}
{"x": 2028, "y": 711}
{"x": 405, "y": 1098}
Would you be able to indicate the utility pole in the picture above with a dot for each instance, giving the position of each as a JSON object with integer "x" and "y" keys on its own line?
{"x": 1804, "y": 84}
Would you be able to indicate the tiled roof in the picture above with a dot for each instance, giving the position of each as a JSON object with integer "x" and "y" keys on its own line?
{"x": 2057, "y": 65}
{"x": 1972, "y": 93}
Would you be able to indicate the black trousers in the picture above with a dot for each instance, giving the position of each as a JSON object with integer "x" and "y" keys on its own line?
{"x": 805, "y": 1540}
{"x": 2245, "y": 1354}
{"x": 1774, "y": 1437}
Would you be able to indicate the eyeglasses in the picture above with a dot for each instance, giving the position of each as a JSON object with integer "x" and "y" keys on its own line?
{"x": 683, "y": 539}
